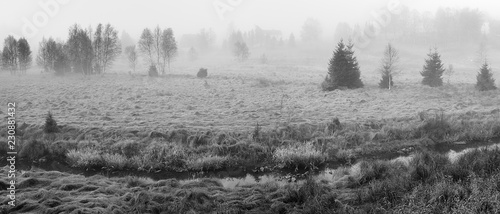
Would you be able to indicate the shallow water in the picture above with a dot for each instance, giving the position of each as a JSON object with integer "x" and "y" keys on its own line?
{"x": 235, "y": 178}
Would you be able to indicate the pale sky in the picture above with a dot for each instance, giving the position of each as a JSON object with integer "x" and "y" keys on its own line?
{"x": 28, "y": 18}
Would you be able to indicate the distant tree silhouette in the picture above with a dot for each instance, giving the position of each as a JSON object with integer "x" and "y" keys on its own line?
{"x": 24, "y": 55}
{"x": 80, "y": 51}
{"x": 343, "y": 70}
{"x": 311, "y": 31}
{"x": 240, "y": 51}
{"x": 131, "y": 54}
{"x": 9, "y": 54}
{"x": 192, "y": 54}
{"x": 433, "y": 70}
{"x": 168, "y": 48}
{"x": 146, "y": 45}
{"x": 106, "y": 47}
{"x": 485, "y": 79}
{"x": 47, "y": 54}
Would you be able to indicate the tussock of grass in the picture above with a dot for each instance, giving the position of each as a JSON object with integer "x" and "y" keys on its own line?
{"x": 85, "y": 158}
{"x": 115, "y": 161}
{"x": 128, "y": 148}
{"x": 208, "y": 163}
{"x": 301, "y": 156}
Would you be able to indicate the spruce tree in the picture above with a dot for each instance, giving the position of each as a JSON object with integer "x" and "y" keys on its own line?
{"x": 50, "y": 124}
{"x": 343, "y": 69}
{"x": 433, "y": 70}
{"x": 485, "y": 79}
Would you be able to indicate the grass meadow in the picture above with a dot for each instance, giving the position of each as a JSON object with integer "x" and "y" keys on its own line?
{"x": 250, "y": 115}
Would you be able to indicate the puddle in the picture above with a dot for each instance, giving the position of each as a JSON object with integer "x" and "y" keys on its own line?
{"x": 236, "y": 178}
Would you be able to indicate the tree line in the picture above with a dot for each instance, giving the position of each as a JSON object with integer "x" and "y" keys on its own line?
{"x": 344, "y": 71}
{"x": 89, "y": 51}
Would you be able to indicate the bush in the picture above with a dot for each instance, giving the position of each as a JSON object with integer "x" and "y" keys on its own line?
{"x": 240, "y": 51}
{"x": 152, "y": 71}
{"x": 202, "y": 73}
{"x": 50, "y": 124}
{"x": 32, "y": 150}
{"x": 59, "y": 149}
{"x": 485, "y": 79}
{"x": 436, "y": 128}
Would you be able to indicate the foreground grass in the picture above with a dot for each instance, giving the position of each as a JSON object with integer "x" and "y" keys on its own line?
{"x": 428, "y": 183}
{"x": 302, "y": 146}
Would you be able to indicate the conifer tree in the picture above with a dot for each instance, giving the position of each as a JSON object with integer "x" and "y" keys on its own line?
{"x": 343, "y": 70}
{"x": 433, "y": 70}
{"x": 485, "y": 79}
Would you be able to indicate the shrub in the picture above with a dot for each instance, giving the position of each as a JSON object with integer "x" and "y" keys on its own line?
{"x": 436, "y": 128}
{"x": 485, "y": 79}
{"x": 153, "y": 72}
{"x": 59, "y": 149}
{"x": 202, "y": 73}
{"x": 32, "y": 150}
{"x": 240, "y": 51}
{"x": 50, "y": 124}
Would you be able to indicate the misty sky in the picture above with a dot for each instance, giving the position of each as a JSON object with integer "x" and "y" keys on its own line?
{"x": 189, "y": 16}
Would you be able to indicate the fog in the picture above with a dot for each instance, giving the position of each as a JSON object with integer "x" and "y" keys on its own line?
{"x": 29, "y": 19}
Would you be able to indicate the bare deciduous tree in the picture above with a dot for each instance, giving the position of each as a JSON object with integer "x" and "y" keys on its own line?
{"x": 80, "y": 51}
{"x": 390, "y": 67}
{"x": 9, "y": 54}
{"x": 47, "y": 54}
{"x": 106, "y": 47}
{"x": 146, "y": 44}
{"x": 24, "y": 55}
{"x": 131, "y": 56}
{"x": 157, "y": 40}
{"x": 168, "y": 48}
